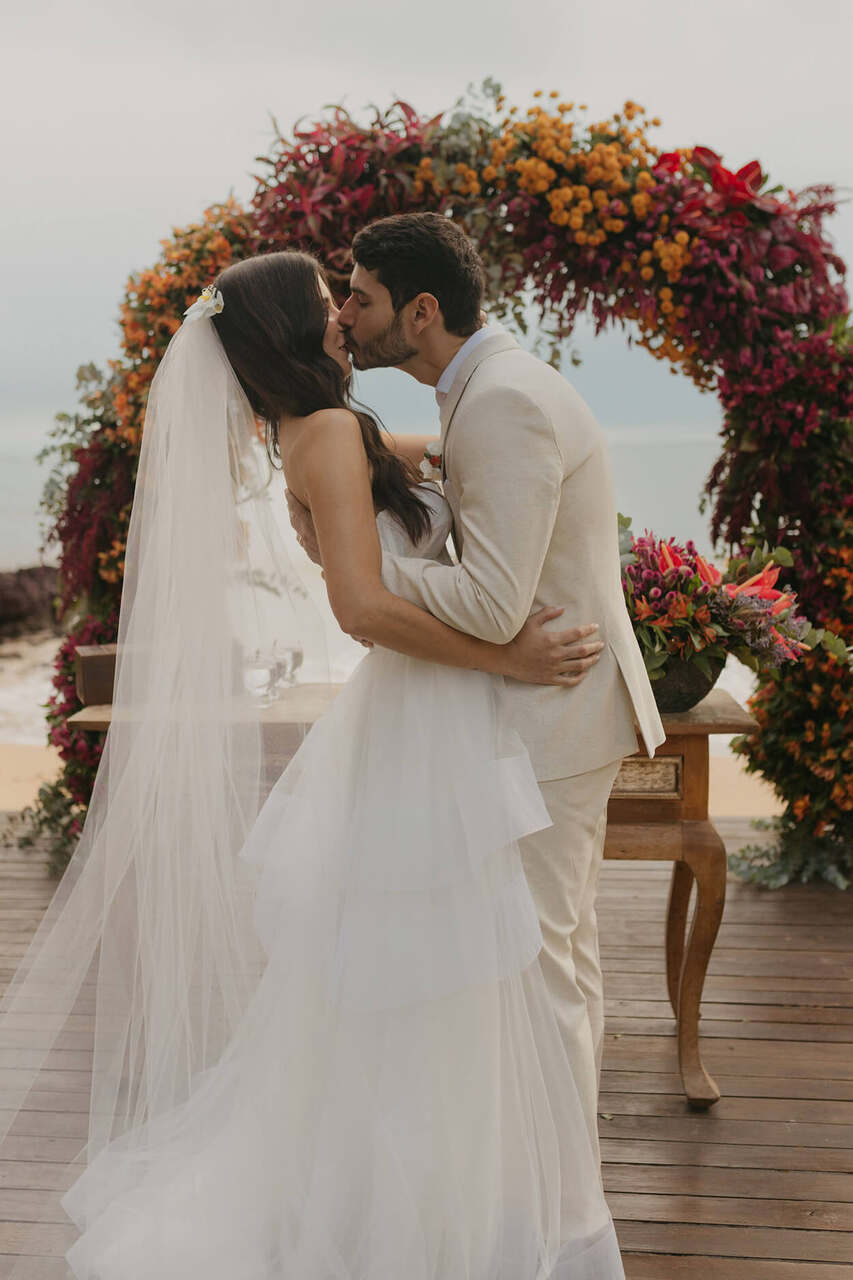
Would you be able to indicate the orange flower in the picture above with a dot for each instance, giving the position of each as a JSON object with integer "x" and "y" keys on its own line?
{"x": 642, "y": 609}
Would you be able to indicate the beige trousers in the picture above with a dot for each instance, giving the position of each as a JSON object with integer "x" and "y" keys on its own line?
{"x": 562, "y": 866}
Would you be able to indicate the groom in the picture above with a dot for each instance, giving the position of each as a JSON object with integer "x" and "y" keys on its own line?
{"x": 527, "y": 476}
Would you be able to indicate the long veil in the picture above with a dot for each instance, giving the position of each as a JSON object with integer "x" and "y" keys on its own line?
{"x": 146, "y": 958}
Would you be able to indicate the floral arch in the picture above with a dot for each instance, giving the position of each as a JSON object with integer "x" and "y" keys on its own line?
{"x": 732, "y": 283}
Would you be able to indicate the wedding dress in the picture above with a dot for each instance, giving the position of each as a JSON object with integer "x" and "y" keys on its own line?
{"x": 396, "y": 1103}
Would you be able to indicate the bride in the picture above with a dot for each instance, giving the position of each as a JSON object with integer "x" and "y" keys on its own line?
{"x": 320, "y": 1041}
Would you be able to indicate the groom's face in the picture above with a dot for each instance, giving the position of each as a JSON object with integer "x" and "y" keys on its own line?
{"x": 375, "y": 333}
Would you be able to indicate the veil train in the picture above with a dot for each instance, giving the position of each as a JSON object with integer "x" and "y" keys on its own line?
{"x": 147, "y": 958}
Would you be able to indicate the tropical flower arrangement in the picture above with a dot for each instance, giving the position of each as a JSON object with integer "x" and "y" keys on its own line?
{"x": 687, "y": 614}
{"x": 684, "y": 609}
{"x": 733, "y": 282}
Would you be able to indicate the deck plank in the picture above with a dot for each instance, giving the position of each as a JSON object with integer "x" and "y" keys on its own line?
{"x": 758, "y": 1188}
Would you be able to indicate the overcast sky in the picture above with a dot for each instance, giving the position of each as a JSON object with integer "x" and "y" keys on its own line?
{"x": 121, "y": 120}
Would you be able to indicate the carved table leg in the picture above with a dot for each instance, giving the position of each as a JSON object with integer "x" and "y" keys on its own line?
{"x": 705, "y": 855}
{"x": 676, "y": 928}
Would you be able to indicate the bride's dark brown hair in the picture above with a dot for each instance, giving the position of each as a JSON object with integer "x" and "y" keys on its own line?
{"x": 272, "y": 328}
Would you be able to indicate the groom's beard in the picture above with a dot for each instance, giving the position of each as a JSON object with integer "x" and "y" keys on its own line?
{"x": 386, "y": 349}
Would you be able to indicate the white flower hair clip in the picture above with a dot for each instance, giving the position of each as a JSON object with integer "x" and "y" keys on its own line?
{"x": 209, "y": 303}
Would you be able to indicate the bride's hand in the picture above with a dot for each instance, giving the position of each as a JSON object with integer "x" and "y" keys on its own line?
{"x": 537, "y": 656}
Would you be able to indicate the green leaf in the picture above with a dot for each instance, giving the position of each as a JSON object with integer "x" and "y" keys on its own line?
{"x": 835, "y": 645}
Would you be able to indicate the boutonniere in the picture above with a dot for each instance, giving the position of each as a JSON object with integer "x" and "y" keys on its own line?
{"x": 431, "y": 466}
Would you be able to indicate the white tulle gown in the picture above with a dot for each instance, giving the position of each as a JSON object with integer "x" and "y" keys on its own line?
{"x": 397, "y": 1103}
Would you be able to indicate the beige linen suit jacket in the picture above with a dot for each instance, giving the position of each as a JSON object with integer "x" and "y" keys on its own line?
{"x": 527, "y": 477}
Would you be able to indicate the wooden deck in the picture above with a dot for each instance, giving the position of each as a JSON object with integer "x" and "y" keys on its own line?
{"x": 759, "y": 1188}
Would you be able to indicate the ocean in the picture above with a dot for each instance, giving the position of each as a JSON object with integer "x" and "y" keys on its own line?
{"x": 661, "y": 430}
{"x": 658, "y": 474}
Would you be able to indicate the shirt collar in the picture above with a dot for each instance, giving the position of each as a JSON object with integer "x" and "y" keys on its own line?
{"x": 445, "y": 382}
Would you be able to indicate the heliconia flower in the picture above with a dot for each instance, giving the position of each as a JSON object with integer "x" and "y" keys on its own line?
{"x": 787, "y": 645}
{"x": 668, "y": 558}
{"x": 709, "y": 573}
{"x": 785, "y": 601}
{"x": 760, "y": 584}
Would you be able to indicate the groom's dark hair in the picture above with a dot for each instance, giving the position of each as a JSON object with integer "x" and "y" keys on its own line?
{"x": 414, "y": 253}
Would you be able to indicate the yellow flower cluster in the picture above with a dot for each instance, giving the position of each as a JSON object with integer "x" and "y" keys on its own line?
{"x": 467, "y": 180}
{"x": 425, "y": 177}
{"x": 667, "y": 306}
{"x": 583, "y": 178}
{"x": 671, "y": 256}
{"x": 534, "y": 175}
{"x": 667, "y": 345}
{"x": 111, "y": 562}
{"x": 596, "y": 181}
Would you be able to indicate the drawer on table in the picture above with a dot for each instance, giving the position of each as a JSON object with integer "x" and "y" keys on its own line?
{"x": 661, "y": 778}
{"x": 648, "y": 790}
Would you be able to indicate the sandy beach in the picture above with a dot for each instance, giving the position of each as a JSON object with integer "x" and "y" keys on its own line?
{"x": 26, "y": 669}
{"x": 733, "y": 793}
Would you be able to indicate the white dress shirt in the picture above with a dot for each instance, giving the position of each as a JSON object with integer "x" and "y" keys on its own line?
{"x": 445, "y": 382}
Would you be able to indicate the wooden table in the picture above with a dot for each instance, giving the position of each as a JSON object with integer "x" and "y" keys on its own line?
{"x": 658, "y": 810}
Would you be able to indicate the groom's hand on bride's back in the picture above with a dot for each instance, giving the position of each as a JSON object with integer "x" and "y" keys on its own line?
{"x": 541, "y": 656}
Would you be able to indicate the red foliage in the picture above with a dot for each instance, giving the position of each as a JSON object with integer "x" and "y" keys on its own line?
{"x": 336, "y": 175}
{"x": 96, "y": 497}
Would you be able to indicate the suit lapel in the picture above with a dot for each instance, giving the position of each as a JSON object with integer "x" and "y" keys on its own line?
{"x": 502, "y": 341}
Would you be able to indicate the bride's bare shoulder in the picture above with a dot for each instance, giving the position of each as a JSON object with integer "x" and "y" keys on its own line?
{"x": 328, "y": 440}
{"x": 326, "y": 429}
